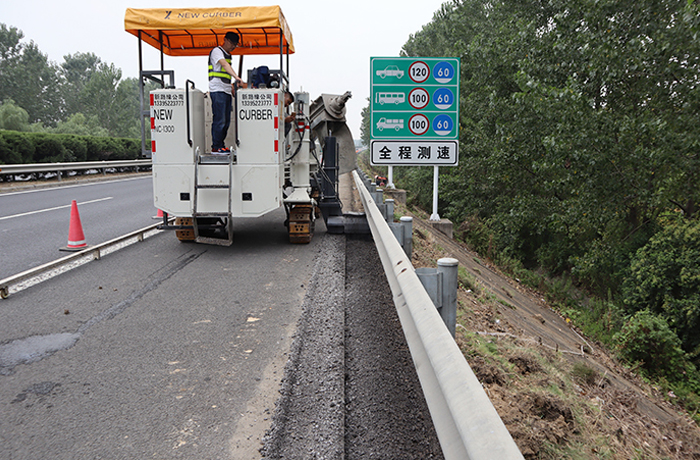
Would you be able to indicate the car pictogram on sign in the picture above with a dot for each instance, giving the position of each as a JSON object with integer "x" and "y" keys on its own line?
{"x": 390, "y": 71}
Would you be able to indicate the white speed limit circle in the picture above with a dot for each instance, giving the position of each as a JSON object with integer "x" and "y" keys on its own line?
{"x": 418, "y": 98}
{"x": 419, "y": 71}
{"x": 419, "y": 124}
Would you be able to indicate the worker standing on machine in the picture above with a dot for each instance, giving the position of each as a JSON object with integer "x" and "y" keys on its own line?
{"x": 221, "y": 75}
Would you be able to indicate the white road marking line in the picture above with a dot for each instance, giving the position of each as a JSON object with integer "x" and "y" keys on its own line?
{"x": 53, "y": 209}
{"x": 62, "y": 187}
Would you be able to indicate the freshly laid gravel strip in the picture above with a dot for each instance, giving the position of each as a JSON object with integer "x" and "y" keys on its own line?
{"x": 309, "y": 418}
{"x": 386, "y": 414}
{"x": 350, "y": 389}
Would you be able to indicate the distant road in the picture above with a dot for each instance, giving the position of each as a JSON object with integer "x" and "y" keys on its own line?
{"x": 34, "y": 223}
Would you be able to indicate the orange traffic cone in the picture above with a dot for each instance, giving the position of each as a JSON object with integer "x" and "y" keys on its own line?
{"x": 159, "y": 215}
{"x": 76, "y": 238}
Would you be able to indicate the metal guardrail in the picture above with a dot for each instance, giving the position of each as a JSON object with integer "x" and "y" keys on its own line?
{"x": 466, "y": 422}
{"x": 74, "y": 166}
{"x": 49, "y": 270}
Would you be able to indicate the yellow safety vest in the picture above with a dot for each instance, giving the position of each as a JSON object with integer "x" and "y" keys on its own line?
{"x": 224, "y": 76}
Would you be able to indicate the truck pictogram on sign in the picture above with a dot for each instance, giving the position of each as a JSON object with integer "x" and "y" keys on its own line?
{"x": 395, "y": 124}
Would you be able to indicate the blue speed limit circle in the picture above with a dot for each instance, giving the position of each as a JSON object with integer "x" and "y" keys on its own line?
{"x": 442, "y": 125}
{"x": 443, "y": 72}
{"x": 443, "y": 98}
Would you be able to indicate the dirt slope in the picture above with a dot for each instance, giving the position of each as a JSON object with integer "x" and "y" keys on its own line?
{"x": 559, "y": 394}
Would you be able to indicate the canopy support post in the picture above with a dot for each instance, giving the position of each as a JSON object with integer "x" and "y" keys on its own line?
{"x": 144, "y": 152}
{"x": 162, "y": 61}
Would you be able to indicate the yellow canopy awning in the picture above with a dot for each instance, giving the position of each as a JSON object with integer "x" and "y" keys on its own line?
{"x": 195, "y": 31}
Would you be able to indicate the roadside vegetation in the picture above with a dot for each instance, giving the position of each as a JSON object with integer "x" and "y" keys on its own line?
{"x": 18, "y": 147}
{"x": 559, "y": 398}
{"x": 579, "y": 164}
{"x": 81, "y": 96}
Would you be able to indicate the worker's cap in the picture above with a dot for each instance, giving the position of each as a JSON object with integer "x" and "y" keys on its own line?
{"x": 232, "y": 37}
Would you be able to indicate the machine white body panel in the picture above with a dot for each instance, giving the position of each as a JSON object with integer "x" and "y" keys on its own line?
{"x": 259, "y": 169}
{"x": 172, "y": 155}
{"x": 256, "y": 176}
{"x": 169, "y": 182}
{"x": 260, "y": 127}
{"x": 259, "y": 188}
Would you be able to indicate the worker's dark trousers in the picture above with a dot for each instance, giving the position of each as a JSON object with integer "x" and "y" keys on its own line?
{"x": 221, "y": 120}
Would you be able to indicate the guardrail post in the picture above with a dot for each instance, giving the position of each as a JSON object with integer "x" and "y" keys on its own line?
{"x": 389, "y": 215}
{"x": 403, "y": 232}
{"x": 58, "y": 175}
{"x": 407, "y": 224}
{"x": 382, "y": 209}
{"x": 378, "y": 196}
{"x": 449, "y": 268}
{"x": 364, "y": 178}
{"x": 441, "y": 285}
{"x": 432, "y": 282}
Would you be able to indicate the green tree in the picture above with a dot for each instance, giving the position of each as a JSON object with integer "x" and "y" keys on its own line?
{"x": 664, "y": 277}
{"x": 10, "y": 53}
{"x": 28, "y": 78}
{"x": 576, "y": 125}
{"x": 365, "y": 130}
{"x": 112, "y": 101}
{"x": 76, "y": 71}
{"x": 127, "y": 109}
{"x": 99, "y": 95}
{"x": 13, "y": 117}
{"x": 81, "y": 125}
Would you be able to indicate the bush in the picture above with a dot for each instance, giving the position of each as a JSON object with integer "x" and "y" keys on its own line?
{"x": 76, "y": 146}
{"x": 7, "y": 154}
{"x": 418, "y": 182}
{"x": 665, "y": 278}
{"x": 107, "y": 148}
{"x": 584, "y": 374}
{"x": 19, "y": 147}
{"x": 647, "y": 341}
{"x": 477, "y": 235}
{"x": 606, "y": 258}
{"x": 49, "y": 149}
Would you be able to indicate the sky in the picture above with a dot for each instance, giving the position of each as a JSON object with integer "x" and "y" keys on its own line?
{"x": 334, "y": 40}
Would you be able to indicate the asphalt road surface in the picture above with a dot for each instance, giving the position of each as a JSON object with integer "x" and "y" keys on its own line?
{"x": 34, "y": 223}
{"x": 169, "y": 350}
{"x": 160, "y": 350}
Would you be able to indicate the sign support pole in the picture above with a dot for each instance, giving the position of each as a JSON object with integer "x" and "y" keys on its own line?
{"x": 434, "y": 217}
{"x": 391, "y": 177}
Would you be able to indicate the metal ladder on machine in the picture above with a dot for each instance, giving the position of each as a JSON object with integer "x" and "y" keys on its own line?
{"x": 208, "y": 159}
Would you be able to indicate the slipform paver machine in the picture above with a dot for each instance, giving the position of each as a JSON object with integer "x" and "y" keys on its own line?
{"x": 266, "y": 169}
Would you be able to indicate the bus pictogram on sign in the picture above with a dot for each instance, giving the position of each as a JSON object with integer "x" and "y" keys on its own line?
{"x": 390, "y": 98}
